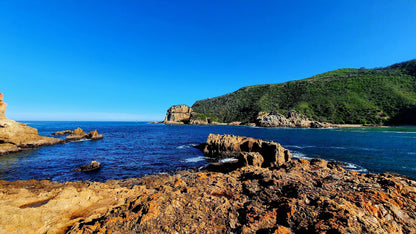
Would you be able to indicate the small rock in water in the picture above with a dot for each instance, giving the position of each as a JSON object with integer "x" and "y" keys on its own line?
{"x": 93, "y": 166}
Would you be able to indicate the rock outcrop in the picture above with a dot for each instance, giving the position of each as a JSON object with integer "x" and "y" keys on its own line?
{"x": 79, "y": 134}
{"x": 294, "y": 119}
{"x": 63, "y": 132}
{"x": 299, "y": 197}
{"x": 3, "y": 107}
{"x": 93, "y": 166}
{"x": 247, "y": 150}
{"x": 178, "y": 113}
{"x": 15, "y": 136}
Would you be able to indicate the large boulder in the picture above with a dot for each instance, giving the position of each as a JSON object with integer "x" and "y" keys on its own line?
{"x": 178, "y": 113}
{"x": 230, "y": 146}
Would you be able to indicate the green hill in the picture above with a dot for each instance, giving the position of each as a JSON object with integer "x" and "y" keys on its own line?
{"x": 367, "y": 96}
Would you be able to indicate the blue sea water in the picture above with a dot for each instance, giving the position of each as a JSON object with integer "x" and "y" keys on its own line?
{"x": 134, "y": 149}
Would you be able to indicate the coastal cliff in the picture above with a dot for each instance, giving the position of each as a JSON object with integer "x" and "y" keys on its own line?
{"x": 294, "y": 196}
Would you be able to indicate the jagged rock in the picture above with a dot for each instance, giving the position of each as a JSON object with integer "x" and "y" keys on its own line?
{"x": 63, "y": 132}
{"x": 228, "y": 146}
{"x": 250, "y": 159}
{"x": 300, "y": 197}
{"x": 294, "y": 119}
{"x": 3, "y": 107}
{"x": 93, "y": 166}
{"x": 177, "y": 113}
{"x": 76, "y": 135}
{"x": 93, "y": 135}
{"x": 15, "y": 136}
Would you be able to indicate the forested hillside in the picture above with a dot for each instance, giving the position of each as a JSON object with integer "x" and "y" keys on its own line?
{"x": 367, "y": 96}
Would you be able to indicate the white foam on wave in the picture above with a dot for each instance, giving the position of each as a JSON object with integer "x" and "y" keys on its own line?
{"x": 296, "y": 154}
{"x": 195, "y": 159}
{"x": 224, "y": 160}
{"x": 353, "y": 167}
{"x": 411, "y": 153}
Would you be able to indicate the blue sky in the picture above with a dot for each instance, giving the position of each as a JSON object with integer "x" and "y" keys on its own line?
{"x": 132, "y": 60}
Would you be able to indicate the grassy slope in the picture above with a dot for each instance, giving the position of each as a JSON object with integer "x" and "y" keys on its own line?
{"x": 383, "y": 95}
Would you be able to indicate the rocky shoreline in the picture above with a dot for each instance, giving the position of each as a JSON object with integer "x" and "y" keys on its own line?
{"x": 264, "y": 190}
{"x": 183, "y": 114}
{"x": 15, "y": 136}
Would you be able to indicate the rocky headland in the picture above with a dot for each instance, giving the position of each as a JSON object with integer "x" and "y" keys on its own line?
{"x": 183, "y": 114}
{"x": 283, "y": 196}
{"x": 15, "y": 136}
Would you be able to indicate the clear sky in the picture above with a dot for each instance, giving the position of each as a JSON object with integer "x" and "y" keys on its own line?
{"x": 132, "y": 60}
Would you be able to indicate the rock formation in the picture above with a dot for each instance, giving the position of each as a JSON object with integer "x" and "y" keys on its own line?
{"x": 79, "y": 134}
{"x": 3, "y": 107}
{"x": 93, "y": 166}
{"x": 294, "y": 119}
{"x": 177, "y": 113}
{"x": 63, "y": 132}
{"x": 299, "y": 197}
{"x": 247, "y": 150}
{"x": 15, "y": 136}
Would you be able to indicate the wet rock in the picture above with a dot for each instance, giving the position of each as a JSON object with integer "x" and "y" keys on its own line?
{"x": 76, "y": 135}
{"x": 93, "y": 166}
{"x": 93, "y": 135}
{"x": 63, "y": 132}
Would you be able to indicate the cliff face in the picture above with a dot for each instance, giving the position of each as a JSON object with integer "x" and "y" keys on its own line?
{"x": 3, "y": 107}
{"x": 178, "y": 113}
{"x": 294, "y": 119}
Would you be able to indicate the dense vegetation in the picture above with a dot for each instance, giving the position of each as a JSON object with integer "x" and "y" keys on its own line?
{"x": 368, "y": 96}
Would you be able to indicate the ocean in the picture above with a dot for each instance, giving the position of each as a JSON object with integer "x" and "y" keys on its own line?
{"x": 135, "y": 149}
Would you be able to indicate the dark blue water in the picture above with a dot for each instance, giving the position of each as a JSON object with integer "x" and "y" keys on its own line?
{"x": 131, "y": 149}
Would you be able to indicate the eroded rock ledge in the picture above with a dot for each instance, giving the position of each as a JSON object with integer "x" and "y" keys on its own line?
{"x": 298, "y": 196}
{"x": 15, "y": 136}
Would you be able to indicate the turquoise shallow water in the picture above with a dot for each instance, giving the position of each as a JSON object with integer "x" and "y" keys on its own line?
{"x": 131, "y": 149}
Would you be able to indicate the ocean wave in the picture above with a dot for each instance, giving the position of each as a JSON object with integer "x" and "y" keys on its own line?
{"x": 186, "y": 146}
{"x": 411, "y": 153}
{"x": 296, "y": 154}
{"x": 224, "y": 160}
{"x": 352, "y": 167}
{"x": 195, "y": 159}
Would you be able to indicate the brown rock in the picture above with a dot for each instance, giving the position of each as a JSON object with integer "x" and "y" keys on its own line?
{"x": 14, "y": 136}
{"x": 3, "y": 107}
{"x": 250, "y": 159}
{"x": 294, "y": 119}
{"x": 297, "y": 198}
{"x": 76, "y": 135}
{"x": 177, "y": 113}
{"x": 93, "y": 166}
{"x": 63, "y": 132}
{"x": 225, "y": 146}
{"x": 93, "y": 135}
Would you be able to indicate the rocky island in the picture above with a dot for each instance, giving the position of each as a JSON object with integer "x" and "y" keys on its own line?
{"x": 263, "y": 190}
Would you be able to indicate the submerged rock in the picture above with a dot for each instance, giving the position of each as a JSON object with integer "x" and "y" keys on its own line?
{"x": 63, "y": 132}
{"x": 93, "y": 166}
